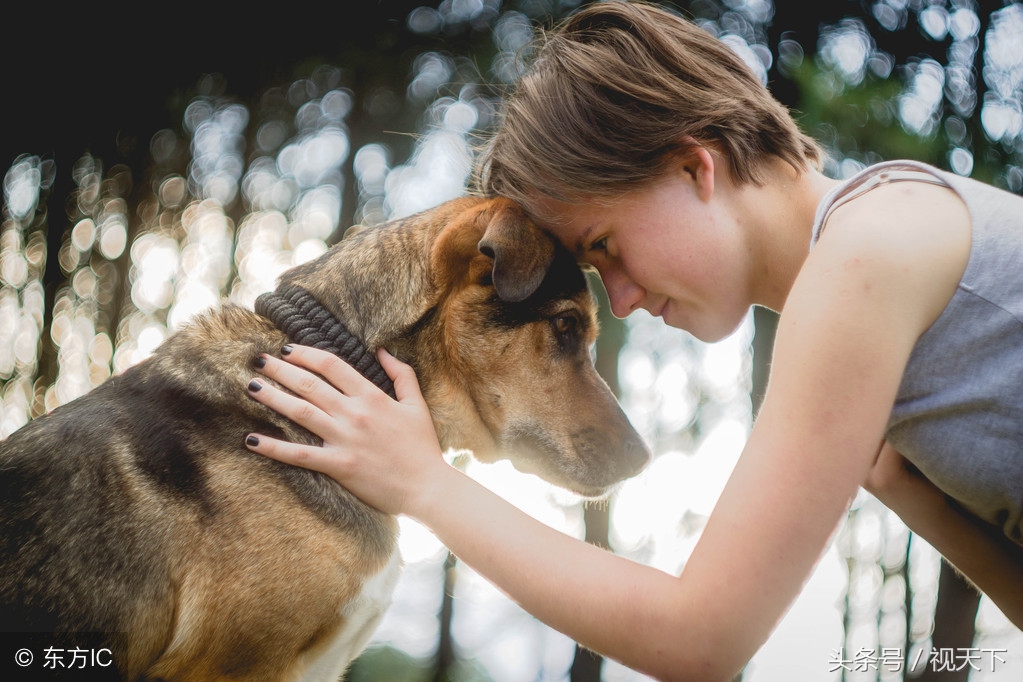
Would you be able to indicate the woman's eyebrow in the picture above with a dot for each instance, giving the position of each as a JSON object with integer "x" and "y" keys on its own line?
{"x": 581, "y": 242}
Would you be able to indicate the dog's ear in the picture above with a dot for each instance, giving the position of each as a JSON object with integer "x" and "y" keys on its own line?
{"x": 522, "y": 253}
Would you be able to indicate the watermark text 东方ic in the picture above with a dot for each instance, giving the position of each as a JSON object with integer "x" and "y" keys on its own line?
{"x": 54, "y": 658}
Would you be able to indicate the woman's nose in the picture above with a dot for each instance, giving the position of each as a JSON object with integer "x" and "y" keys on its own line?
{"x": 624, "y": 294}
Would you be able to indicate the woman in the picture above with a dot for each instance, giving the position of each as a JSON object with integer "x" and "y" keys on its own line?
{"x": 648, "y": 149}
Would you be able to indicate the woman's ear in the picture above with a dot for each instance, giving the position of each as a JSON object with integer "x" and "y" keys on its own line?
{"x": 698, "y": 162}
{"x": 703, "y": 172}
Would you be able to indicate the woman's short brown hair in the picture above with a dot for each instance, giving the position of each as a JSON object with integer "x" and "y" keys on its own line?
{"x": 616, "y": 91}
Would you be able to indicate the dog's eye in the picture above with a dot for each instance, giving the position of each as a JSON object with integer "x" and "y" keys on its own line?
{"x": 564, "y": 327}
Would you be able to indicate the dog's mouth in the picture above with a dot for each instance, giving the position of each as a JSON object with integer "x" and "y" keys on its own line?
{"x": 533, "y": 451}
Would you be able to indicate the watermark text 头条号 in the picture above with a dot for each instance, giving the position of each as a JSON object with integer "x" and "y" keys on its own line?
{"x": 937, "y": 659}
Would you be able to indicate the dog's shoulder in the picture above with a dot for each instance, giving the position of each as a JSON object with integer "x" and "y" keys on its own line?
{"x": 154, "y": 423}
{"x": 223, "y": 336}
{"x": 170, "y": 429}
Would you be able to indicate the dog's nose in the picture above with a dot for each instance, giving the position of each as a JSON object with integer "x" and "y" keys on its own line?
{"x": 635, "y": 456}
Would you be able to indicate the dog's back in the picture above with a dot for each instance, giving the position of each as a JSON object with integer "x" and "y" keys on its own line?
{"x": 133, "y": 519}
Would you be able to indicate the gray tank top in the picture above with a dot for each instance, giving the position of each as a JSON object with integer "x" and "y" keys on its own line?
{"x": 959, "y": 412}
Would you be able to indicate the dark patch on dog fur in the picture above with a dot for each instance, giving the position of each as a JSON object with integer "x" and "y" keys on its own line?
{"x": 166, "y": 414}
{"x": 564, "y": 280}
{"x": 108, "y": 573}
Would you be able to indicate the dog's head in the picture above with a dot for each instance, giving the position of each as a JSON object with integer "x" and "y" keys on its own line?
{"x": 509, "y": 354}
{"x": 499, "y": 322}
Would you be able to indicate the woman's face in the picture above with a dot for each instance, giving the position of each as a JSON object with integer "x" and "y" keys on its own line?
{"x": 669, "y": 248}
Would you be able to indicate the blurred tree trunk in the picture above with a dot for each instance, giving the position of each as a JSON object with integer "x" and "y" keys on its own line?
{"x": 586, "y": 666}
{"x": 765, "y": 324}
{"x": 955, "y": 621}
{"x": 445, "y": 657}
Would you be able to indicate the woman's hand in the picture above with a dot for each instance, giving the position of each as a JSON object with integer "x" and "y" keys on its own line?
{"x": 381, "y": 450}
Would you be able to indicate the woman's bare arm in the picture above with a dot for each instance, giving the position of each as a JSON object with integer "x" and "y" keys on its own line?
{"x": 848, "y": 327}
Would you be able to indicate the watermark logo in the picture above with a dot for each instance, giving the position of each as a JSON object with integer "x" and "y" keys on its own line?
{"x": 53, "y": 658}
{"x": 23, "y": 657}
{"x": 937, "y": 659}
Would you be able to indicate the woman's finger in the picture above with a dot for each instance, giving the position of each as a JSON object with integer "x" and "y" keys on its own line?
{"x": 339, "y": 373}
{"x": 299, "y": 410}
{"x": 299, "y": 380}
{"x": 406, "y": 384}
{"x": 297, "y": 454}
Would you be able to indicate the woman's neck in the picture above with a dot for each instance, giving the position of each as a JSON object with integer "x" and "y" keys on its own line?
{"x": 780, "y": 216}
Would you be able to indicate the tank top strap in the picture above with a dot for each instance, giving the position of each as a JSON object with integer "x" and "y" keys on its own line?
{"x": 868, "y": 179}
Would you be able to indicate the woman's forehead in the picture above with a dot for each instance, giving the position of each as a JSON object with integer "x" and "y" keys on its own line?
{"x": 558, "y": 214}
{"x": 570, "y": 222}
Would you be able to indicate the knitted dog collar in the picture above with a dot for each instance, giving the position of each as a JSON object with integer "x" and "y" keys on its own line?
{"x": 298, "y": 314}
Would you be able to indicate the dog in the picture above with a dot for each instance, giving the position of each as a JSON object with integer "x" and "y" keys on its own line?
{"x": 135, "y": 525}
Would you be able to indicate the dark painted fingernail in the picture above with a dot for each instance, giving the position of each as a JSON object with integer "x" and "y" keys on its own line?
{"x": 286, "y": 350}
{"x": 252, "y": 440}
{"x": 259, "y": 362}
{"x": 255, "y": 385}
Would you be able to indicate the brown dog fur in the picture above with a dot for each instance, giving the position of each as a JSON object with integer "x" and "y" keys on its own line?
{"x": 134, "y": 519}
